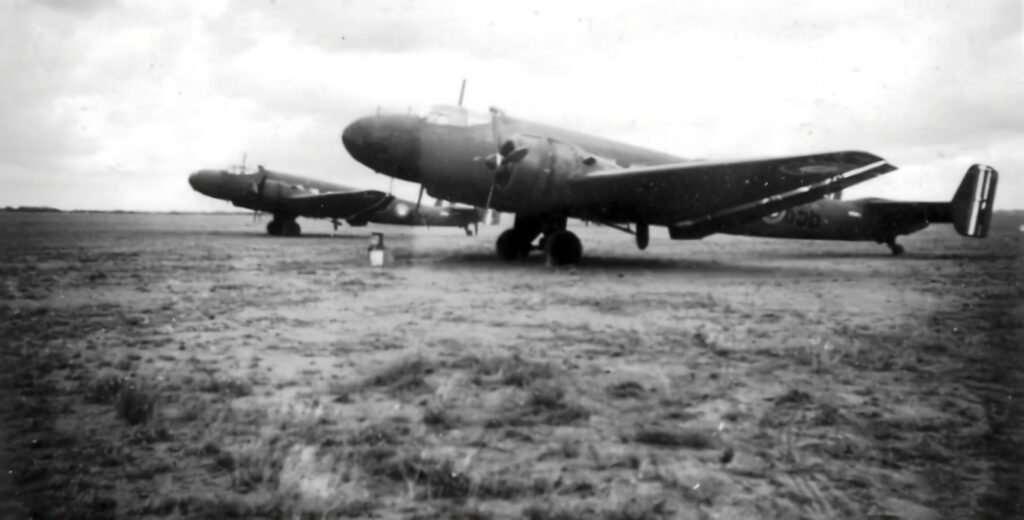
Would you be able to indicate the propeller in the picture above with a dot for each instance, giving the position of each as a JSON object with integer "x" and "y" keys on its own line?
{"x": 506, "y": 161}
{"x": 260, "y": 186}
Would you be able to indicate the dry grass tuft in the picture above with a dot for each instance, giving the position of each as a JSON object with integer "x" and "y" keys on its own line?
{"x": 511, "y": 371}
{"x": 626, "y": 390}
{"x": 403, "y": 378}
{"x": 546, "y": 405}
{"x": 438, "y": 415}
{"x": 675, "y": 437}
{"x": 135, "y": 403}
{"x": 631, "y": 510}
{"x": 428, "y": 479}
{"x": 104, "y": 390}
{"x": 229, "y": 387}
{"x": 390, "y": 432}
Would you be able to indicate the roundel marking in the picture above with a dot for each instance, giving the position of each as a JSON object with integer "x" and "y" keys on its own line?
{"x": 775, "y": 218}
{"x": 401, "y": 210}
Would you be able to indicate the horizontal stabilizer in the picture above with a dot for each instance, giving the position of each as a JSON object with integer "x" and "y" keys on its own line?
{"x": 972, "y": 204}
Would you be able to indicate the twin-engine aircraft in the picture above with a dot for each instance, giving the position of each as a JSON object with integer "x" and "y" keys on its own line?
{"x": 290, "y": 196}
{"x": 545, "y": 175}
{"x": 881, "y": 220}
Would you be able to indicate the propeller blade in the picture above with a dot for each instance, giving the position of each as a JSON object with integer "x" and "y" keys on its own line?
{"x": 517, "y": 155}
{"x": 260, "y": 186}
{"x": 504, "y": 175}
{"x": 507, "y": 148}
{"x": 489, "y": 195}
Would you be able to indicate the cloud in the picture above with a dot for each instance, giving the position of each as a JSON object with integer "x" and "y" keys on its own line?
{"x": 111, "y": 104}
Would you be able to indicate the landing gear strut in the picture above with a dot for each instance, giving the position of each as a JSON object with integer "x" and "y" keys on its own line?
{"x": 896, "y": 249}
{"x": 559, "y": 245}
{"x": 283, "y": 227}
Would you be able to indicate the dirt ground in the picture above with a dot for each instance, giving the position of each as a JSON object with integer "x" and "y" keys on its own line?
{"x": 188, "y": 366}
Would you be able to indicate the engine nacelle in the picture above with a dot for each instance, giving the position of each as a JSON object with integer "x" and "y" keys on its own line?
{"x": 539, "y": 181}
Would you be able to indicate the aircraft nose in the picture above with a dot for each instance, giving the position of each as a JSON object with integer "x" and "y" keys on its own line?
{"x": 387, "y": 144}
{"x": 201, "y": 181}
{"x": 354, "y": 136}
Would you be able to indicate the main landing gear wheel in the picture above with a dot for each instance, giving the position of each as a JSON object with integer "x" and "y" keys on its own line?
{"x": 896, "y": 249}
{"x": 288, "y": 228}
{"x": 563, "y": 247}
{"x": 511, "y": 246}
{"x": 274, "y": 228}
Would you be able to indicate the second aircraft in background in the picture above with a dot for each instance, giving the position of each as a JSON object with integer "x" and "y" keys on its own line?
{"x": 288, "y": 197}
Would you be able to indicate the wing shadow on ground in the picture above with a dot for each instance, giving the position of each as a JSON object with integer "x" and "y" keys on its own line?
{"x": 310, "y": 236}
{"x": 910, "y": 256}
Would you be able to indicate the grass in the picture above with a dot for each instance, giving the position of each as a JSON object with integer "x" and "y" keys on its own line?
{"x": 546, "y": 404}
{"x": 626, "y": 390}
{"x": 509, "y": 371}
{"x": 403, "y": 378}
{"x": 439, "y": 415}
{"x": 104, "y": 390}
{"x": 231, "y": 387}
{"x": 629, "y": 510}
{"x": 135, "y": 403}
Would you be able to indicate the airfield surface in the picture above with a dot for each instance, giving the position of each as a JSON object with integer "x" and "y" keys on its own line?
{"x": 171, "y": 366}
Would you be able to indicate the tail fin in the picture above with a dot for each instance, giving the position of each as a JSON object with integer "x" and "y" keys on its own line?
{"x": 972, "y": 204}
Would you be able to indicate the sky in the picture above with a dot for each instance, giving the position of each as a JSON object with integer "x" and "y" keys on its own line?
{"x": 108, "y": 104}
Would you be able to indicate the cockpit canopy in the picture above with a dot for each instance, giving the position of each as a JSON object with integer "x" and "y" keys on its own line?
{"x": 450, "y": 115}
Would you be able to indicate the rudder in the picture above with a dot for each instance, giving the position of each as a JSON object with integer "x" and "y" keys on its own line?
{"x": 972, "y": 204}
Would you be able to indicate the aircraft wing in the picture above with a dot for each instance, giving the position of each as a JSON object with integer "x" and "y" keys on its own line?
{"x": 699, "y": 198}
{"x": 339, "y": 205}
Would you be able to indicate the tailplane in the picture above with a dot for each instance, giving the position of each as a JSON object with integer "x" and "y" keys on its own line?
{"x": 972, "y": 204}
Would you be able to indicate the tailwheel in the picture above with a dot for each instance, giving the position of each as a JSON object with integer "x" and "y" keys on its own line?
{"x": 643, "y": 235}
{"x": 563, "y": 247}
{"x": 511, "y": 245}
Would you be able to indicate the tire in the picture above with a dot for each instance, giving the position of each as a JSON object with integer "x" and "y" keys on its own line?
{"x": 291, "y": 229}
{"x": 510, "y": 245}
{"x": 274, "y": 228}
{"x": 562, "y": 248}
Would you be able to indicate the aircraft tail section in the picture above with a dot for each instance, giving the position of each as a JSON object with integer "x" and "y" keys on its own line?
{"x": 972, "y": 203}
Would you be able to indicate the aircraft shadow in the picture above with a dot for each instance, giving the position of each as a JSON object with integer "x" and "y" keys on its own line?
{"x": 620, "y": 263}
{"x": 304, "y": 236}
{"x": 910, "y": 256}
